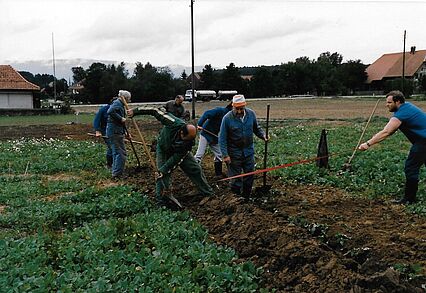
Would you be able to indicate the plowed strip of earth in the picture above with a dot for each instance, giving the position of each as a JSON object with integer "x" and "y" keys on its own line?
{"x": 306, "y": 238}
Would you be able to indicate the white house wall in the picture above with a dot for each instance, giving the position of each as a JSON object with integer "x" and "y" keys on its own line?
{"x": 16, "y": 100}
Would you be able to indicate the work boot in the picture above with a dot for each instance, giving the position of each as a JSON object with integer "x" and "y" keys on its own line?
{"x": 246, "y": 192}
{"x": 218, "y": 169}
{"x": 109, "y": 162}
{"x": 235, "y": 190}
{"x": 410, "y": 192}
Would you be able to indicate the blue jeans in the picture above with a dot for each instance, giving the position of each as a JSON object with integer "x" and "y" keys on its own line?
{"x": 416, "y": 158}
{"x": 119, "y": 154}
{"x": 245, "y": 184}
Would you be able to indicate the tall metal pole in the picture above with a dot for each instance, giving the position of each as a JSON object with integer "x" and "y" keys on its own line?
{"x": 54, "y": 69}
{"x": 192, "y": 58}
{"x": 403, "y": 65}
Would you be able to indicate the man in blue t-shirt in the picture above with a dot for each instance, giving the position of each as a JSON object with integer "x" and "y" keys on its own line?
{"x": 411, "y": 120}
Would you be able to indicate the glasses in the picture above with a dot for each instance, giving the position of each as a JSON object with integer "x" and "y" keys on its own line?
{"x": 239, "y": 108}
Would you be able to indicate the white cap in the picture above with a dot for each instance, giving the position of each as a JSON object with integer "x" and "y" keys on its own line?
{"x": 238, "y": 101}
{"x": 124, "y": 94}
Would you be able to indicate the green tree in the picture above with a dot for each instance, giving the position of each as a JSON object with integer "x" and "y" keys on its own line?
{"x": 231, "y": 79}
{"x": 352, "y": 75}
{"x": 78, "y": 74}
{"x": 208, "y": 80}
{"x": 93, "y": 83}
{"x": 262, "y": 84}
{"x": 326, "y": 79}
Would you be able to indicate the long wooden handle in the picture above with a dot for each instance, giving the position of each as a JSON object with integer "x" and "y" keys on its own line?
{"x": 145, "y": 146}
{"x": 362, "y": 134}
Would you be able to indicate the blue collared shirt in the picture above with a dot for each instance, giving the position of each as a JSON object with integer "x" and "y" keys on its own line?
{"x": 236, "y": 134}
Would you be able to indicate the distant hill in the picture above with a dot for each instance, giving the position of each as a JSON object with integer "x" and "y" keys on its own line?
{"x": 63, "y": 67}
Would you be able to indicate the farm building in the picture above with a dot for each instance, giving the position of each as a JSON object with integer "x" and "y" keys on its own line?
{"x": 15, "y": 91}
{"x": 389, "y": 67}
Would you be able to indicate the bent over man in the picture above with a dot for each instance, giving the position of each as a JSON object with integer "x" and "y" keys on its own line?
{"x": 174, "y": 147}
{"x": 236, "y": 144}
{"x": 411, "y": 120}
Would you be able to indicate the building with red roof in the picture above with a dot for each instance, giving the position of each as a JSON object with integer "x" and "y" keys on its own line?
{"x": 15, "y": 91}
{"x": 389, "y": 66}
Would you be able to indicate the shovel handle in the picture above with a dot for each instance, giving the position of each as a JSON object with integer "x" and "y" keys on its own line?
{"x": 362, "y": 134}
{"x": 145, "y": 146}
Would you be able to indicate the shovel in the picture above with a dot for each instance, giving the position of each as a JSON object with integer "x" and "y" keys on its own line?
{"x": 347, "y": 166}
{"x": 265, "y": 188}
{"x": 129, "y": 138}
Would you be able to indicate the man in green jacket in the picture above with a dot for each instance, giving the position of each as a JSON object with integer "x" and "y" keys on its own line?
{"x": 174, "y": 147}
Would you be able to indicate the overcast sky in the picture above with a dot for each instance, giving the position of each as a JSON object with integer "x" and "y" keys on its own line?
{"x": 248, "y": 33}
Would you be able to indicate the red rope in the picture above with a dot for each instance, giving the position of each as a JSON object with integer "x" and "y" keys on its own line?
{"x": 281, "y": 166}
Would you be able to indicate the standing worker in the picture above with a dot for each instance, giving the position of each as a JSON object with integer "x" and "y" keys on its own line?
{"x": 100, "y": 125}
{"x": 116, "y": 129}
{"x": 236, "y": 143}
{"x": 174, "y": 147}
{"x": 209, "y": 125}
{"x": 411, "y": 120}
{"x": 176, "y": 108}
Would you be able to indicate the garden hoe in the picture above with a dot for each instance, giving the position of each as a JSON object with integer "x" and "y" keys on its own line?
{"x": 129, "y": 138}
{"x": 147, "y": 152}
{"x": 265, "y": 188}
{"x": 347, "y": 166}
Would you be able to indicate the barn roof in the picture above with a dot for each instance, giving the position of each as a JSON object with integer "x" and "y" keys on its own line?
{"x": 390, "y": 65}
{"x": 10, "y": 79}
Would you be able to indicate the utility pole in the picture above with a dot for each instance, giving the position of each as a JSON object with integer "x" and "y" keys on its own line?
{"x": 192, "y": 59}
{"x": 54, "y": 69}
{"x": 403, "y": 64}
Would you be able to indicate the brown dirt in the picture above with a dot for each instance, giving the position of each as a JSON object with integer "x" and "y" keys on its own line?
{"x": 306, "y": 238}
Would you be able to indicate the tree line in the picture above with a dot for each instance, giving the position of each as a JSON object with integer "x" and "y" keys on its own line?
{"x": 325, "y": 75}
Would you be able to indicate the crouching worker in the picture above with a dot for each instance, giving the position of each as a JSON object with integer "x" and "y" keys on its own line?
{"x": 174, "y": 145}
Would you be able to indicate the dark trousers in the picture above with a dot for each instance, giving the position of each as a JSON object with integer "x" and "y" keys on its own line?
{"x": 241, "y": 185}
{"x": 190, "y": 167}
{"x": 416, "y": 158}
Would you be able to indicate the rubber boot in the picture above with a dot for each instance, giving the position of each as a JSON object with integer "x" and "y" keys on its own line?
{"x": 218, "y": 169}
{"x": 109, "y": 161}
{"x": 410, "y": 192}
{"x": 246, "y": 192}
{"x": 235, "y": 190}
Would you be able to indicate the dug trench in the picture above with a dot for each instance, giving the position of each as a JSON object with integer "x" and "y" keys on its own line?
{"x": 305, "y": 238}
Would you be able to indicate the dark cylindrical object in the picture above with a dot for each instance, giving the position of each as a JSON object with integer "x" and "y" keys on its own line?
{"x": 265, "y": 156}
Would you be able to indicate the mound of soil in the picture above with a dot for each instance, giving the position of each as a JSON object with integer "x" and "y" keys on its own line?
{"x": 306, "y": 238}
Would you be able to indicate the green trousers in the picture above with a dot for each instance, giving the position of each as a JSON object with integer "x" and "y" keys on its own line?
{"x": 190, "y": 167}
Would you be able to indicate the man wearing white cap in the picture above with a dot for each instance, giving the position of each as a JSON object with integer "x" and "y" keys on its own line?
{"x": 236, "y": 143}
{"x": 116, "y": 130}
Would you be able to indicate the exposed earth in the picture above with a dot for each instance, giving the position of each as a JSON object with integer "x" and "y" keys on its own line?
{"x": 306, "y": 238}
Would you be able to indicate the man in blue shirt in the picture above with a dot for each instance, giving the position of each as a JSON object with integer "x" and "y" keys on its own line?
{"x": 411, "y": 120}
{"x": 100, "y": 125}
{"x": 209, "y": 125}
{"x": 116, "y": 124}
{"x": 236, "y": 143}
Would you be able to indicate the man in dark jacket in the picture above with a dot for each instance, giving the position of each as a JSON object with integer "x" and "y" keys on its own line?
{"x": 116, "y": 128}
{"x": 176, "y": 108}
{"x": 174, "y": 147}
{"x": 236, "y": 144}
{"x": 100, "y": 125}
{"x": 209, "y": 125}
{"x": 411, "y": 120}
